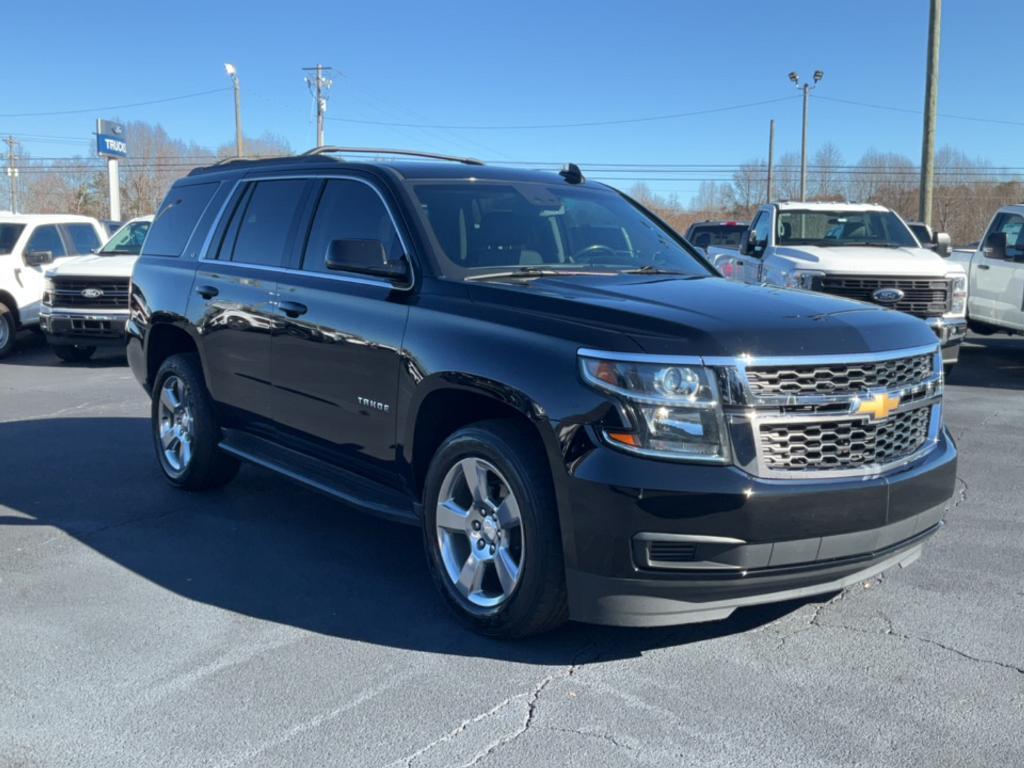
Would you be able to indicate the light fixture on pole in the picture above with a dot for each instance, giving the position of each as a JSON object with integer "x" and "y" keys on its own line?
{"x": 233, "y": 74}
{"x": 807, "y": 88}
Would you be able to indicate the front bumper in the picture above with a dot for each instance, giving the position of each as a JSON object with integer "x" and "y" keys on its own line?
{"x": 950, "y": 332}
{"x": 748, "y": 540}
{"x": 86, "y": 328}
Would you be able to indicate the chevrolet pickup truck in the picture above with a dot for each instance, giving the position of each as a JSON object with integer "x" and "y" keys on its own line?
{"x": 859, "y": 251}
{"x": 996, "y": 271}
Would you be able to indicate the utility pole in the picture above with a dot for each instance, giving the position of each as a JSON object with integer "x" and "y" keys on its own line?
{"x": 931, "y": 106}
{"x": 807, "y": 88}
{"x": 319, "y": 87}
{"x": 233, "y": 74}
{"x": 771, "y": 158}
{"x": 12, "y": 172}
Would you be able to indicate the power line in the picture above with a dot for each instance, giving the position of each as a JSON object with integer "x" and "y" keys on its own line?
{"x": 587, "y": 124}
{"x": 114, "y": 106}
{"x": 908, "y": 111}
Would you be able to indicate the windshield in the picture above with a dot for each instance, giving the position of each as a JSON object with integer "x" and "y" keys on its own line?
{"x": 500, "y": 227}
{"x": 839, "y": 228}
{"x": 9, "y": 234}
{"x": 127, "y": 240}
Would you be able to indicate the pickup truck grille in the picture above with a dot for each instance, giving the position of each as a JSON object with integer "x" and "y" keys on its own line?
{"x": 90, "y": 293}
{"x": 923, "y": 297}
{"x": 843, "y": 444}
{"x": 839, "y": 379}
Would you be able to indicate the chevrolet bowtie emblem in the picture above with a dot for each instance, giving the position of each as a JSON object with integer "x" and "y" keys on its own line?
{"x": 879, "y": 406}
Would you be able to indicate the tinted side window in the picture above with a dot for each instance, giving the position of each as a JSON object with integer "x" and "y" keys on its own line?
{"x": 762, "y": 226}
{"x": 349, "y": 210}
{"x": 176, "y": 219}
{"x": 83, "y": 237}
{"x": 1013, "y": 225}
{"x": 265, "y": 228}
{"x": 46, "y": 238}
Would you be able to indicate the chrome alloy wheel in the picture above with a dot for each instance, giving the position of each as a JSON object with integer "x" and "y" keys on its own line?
{"x": 480, "y": 532}
{"x": 5, "y": 333}
{"x": 174, "y": 421}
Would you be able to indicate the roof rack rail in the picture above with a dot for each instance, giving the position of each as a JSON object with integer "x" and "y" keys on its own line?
{"x": 407, "y": 152}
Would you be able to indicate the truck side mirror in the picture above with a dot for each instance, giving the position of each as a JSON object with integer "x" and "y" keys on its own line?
{"x": 38, "y": 258}
{"x": 995, "y": 245}
{"x": 748, "y": 243}
{"x": 367, "y": 257}
{"x": 943, "y": 244}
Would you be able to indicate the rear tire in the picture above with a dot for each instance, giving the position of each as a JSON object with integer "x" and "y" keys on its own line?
{"x": 496, "y": 555}
{"x": 8, "y": 329}
{"x": 72, "y": 353}
{"x": 186, "y": 431}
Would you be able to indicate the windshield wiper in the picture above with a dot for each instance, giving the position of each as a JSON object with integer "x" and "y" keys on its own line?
{"x": 650, "y": 269}
{"x": 118, "y": 253}
{"x": 536, "y": 272}
{"x": 873, "y": 243}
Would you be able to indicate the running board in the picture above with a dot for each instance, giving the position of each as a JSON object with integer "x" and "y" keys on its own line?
{"x": 347, "y": 487}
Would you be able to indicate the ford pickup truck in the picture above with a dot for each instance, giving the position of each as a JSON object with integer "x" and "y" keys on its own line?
{"x": 996, "y": 273}
{"x": 859, "y": 251}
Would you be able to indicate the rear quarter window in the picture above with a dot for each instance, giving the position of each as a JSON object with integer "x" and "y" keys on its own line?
{"x": 177, "y": 218}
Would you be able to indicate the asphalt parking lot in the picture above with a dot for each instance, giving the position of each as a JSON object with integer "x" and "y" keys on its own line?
{"x": 261, "y": 625}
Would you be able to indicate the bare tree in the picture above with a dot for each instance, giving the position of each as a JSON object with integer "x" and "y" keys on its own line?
{"x": 827, "y": 182}
{"x": 787, "y": 177}
{"x": 750, "y": 186}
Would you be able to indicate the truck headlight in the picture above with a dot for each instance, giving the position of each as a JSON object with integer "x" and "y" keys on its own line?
{"x": 801, "y": 278}
{"x": 958, "y": 293}
{"x": 47, "y": 292}
{"x": 673, "y": 408}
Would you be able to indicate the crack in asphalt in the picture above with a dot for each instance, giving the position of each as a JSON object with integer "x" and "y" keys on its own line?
{"x": 532, "y": 701}
{"x": 608, "y": 737}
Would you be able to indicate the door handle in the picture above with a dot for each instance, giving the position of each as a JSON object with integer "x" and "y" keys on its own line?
{"x": 984, "y": 266}
{"x": 207, "y": 291}
{"x": 292, "y": 308}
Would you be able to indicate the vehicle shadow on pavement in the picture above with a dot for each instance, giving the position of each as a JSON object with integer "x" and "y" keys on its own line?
{"x": 266, "y": 548}
{"x": 994, "y": 362}
{"x": 33, "y": 350}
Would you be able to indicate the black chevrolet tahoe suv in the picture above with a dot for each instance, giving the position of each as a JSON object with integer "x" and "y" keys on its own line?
{"x": 585, "y": 420}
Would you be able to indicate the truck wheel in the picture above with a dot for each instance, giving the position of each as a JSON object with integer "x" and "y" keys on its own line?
{"x": 7, "y": 331}
{"x": 72, "y": 353}
{"x": 186, "y": 432}
{"x": 491, "y": 531}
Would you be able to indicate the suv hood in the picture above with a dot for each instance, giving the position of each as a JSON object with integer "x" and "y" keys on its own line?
{"x": 868, "y": 260}
{"x": 95, "y": 266}
{"x": 708, "y": 316}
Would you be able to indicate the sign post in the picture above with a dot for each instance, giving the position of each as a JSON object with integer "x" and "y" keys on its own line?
{"x": 110, "y": 143}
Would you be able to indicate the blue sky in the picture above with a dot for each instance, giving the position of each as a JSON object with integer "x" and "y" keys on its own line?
{"x": 522, "y": 63}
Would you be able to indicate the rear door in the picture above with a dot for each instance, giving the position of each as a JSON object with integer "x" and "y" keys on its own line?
{"x": 234, "y": 302}
{"x": 336, "y": 361}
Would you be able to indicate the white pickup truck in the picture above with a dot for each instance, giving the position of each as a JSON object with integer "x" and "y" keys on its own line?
{"x": 859, "y": 251}
{"x": 996, "y": 272}
{"x": 85, "y": 302}
{"x": 30, "y": 244}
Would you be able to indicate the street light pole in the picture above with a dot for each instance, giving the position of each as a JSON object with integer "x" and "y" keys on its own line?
{"x": 233, "y": 74}
{"x": 807, "y": 88}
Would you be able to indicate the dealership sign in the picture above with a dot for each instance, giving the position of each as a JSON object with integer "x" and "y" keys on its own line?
{"x": 110, "y": 140}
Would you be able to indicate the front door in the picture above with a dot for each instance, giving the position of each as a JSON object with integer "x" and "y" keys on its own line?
{"x": 336, "y": 361}
{"x": 29, "y": 278}
{"x": 234, "y": 301}
{"x": 996, "y": 292}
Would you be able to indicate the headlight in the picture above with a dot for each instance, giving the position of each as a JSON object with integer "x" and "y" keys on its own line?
{"x": 801, "y": 278}
{"x": 48, "y": 292}
{"x": 674, "y": 409}
{"x": 958, "y": 289}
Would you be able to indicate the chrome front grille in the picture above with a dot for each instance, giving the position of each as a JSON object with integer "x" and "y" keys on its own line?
{"x": 824, "y": 416}
{"x": 843, "y": 378}
{"x": 923, "y": 297}
{"x": 843, "y": 444}
{"x": 90, "y": 293}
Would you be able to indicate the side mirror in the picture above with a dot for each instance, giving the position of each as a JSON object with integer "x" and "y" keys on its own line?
{"x": 748, "y": 242}
{"x": 366, "y": 257}
{"x": 995, "y": 245}
{"x": 38, "y": 258}
{"x": 943, "y": 244}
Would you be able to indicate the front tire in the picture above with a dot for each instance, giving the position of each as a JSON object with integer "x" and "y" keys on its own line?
{"x": 186, "y": 432}
{"x": 72, "y": 353}
{"x": 8, "y": 329}
{"x": 491, "y": 531}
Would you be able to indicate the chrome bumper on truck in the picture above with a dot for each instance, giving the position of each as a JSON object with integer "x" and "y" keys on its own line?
{"x": 841, "y": 469}
{"x": 84, "y": 327}
{"x": 950, "y": 332}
